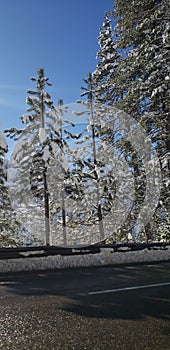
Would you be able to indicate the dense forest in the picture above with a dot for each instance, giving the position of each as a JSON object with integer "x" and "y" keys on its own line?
{"x": 113, "y": 184}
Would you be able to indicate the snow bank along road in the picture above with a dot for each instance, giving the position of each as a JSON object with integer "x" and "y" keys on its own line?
{"x": 121, "y": 307}
{"x": 105, "y": 257}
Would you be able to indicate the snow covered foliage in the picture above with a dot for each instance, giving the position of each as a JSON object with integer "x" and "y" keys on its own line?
{"x": 106, "y": 70}
{"x": 132, "y": 75}
{"x": 111, "y": 168}
{"x": 106, "y": 182}
{"x": 61, "y": 183}
{"x": 3, "y": 144}
{"x": 32, "y": 153}
{"x": 8, "y": 223}
{"x": 40, "y": 162}
{"x": 143, "y": 74}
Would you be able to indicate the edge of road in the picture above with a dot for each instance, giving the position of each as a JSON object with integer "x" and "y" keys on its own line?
{"x": 105, "y": 257}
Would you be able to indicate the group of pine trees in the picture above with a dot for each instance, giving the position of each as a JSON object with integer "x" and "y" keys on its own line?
{"x": 68, "y": 195}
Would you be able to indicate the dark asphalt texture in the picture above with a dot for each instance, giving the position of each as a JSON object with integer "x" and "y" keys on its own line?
{"x": 52, "y": 310}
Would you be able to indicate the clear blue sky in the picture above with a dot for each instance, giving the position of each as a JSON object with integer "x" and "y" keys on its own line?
{"x": 58, "y": 35}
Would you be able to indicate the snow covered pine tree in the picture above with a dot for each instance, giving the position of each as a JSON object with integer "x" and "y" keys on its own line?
{"x": 32, "y": 152}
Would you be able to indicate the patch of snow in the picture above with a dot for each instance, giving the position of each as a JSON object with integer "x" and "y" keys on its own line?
{"x": 64, "y": 163}
{"x": 3, "y": 143}
{"x": 42, "y": 135}
{"x": 46, "y": 154}
{"x": 105, "y": 257}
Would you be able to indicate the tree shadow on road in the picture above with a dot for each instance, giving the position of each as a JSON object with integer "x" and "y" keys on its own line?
{"x": 69, "y": 290}
{"x": 124, "y": 305}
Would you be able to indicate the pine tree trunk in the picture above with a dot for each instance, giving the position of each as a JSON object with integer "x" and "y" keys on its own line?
{"x": 60, "y": 102}
{"x": 101, "y": 228}
{"x": 99, "y": 211}
{"x": 47, "y": 210}
{"x": 64, "y": 219}
{"x": 46, "y": 194}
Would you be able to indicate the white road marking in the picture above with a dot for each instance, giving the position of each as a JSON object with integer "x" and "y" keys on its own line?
{"x": 6, "y": 283}
{"x": 129, "y": 288}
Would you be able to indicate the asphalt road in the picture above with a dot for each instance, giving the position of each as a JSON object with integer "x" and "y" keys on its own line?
{"x": 99, "y": 308}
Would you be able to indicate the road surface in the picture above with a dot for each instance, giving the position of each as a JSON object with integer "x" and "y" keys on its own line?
{"x": 123, "y": 307}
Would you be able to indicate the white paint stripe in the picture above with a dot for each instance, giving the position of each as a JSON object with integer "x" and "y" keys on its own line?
{"x": 129, "y": 288}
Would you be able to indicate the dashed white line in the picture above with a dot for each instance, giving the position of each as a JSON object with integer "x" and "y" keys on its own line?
{"x": 129, "y": 288}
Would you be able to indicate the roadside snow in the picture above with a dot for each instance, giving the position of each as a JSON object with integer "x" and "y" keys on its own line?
{"x": 106, "y": 257}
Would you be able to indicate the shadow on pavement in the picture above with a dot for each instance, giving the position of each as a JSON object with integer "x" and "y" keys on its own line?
{"x": 69, "y": 290}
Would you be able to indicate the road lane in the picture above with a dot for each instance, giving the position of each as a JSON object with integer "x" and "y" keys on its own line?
{"x": 83, "y": 280}
{"x": 53, "y": 310}
{"x": 129, "y": 288}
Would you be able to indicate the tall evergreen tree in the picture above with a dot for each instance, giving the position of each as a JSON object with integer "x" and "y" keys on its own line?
{"x": 94, "y": 165}
{"x": 32, "y": 152}
{"x": 144, "y": 73}
{"x": 108, "y": 58}
{"x": 60, "y": 180}
{"x": 95, "y": 171}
